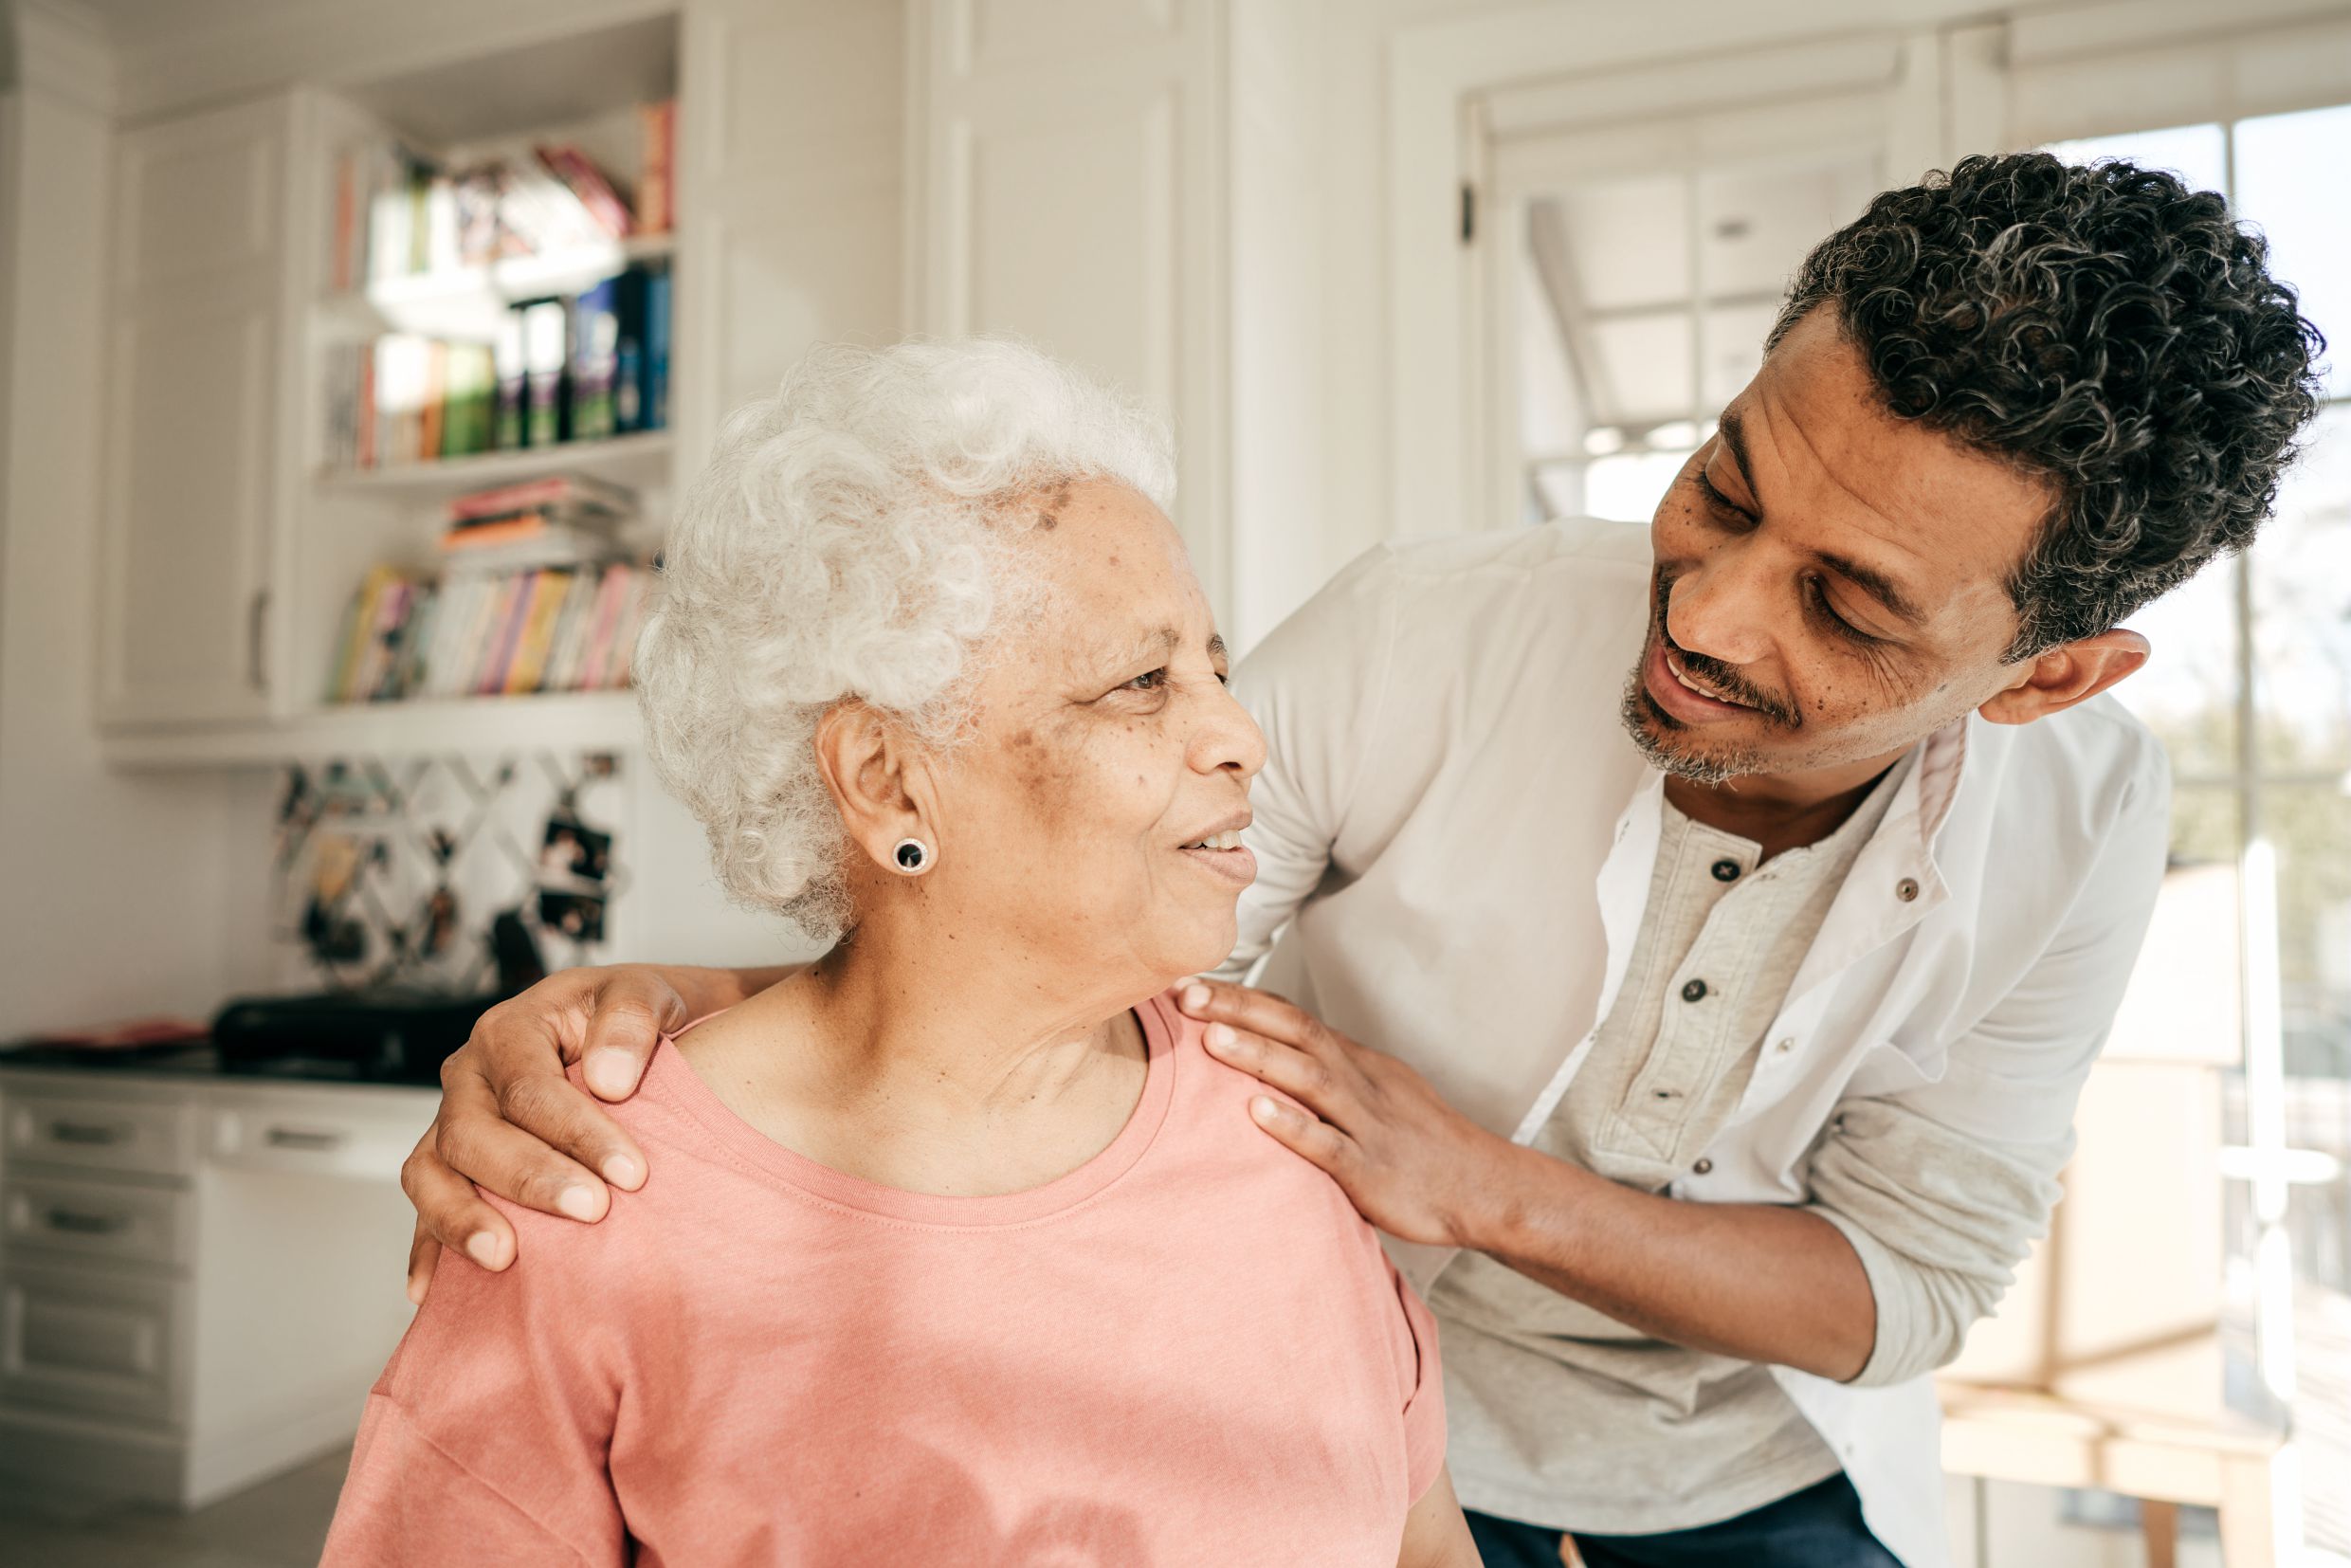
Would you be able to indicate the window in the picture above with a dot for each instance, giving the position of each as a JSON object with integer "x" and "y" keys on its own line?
{"x": 2251, "y": 693}
{"x": 1648, "y": 295}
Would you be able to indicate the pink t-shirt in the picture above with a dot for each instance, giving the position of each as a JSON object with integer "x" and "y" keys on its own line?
{"x": 1189, "y": 1350}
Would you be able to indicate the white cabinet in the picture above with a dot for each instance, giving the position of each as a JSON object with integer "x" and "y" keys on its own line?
{"x": 199, "y": 1277}
{"x": 195, "y": 368}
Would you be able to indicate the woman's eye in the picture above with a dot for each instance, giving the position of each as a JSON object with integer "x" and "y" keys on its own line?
{"x": 1150, "y": 682}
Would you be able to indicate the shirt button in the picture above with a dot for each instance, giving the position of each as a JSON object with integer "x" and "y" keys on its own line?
{"x": 1906, "y": 889}
{"x": 1784, "y": 1047}
{"x": 1703, "y": 1167}
{"x": 1694, "y": 992}
{"x": 1726, "y": 870}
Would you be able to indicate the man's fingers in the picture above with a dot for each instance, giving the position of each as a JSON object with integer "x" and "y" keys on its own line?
{"x": 1291, "y": 1070}
{"x": 1259, "y": 1012}
{"x": 424, "y": 1256}
{"x": 511, "y": 1136}
{"x": 1306, "y": 1135}
{"x": 450, "y": 1214}
{"x": 630, "y": 1011}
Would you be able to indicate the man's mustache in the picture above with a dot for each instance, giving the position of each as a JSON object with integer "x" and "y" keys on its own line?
{"x": 1714, "y": 672}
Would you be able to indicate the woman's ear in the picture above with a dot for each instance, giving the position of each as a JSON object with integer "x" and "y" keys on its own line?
{"x": 877, "y": 778}
{"x": 2066, "y": 674}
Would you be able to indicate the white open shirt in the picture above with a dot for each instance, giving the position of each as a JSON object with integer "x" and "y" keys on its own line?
{"x": 1457, "y": 835}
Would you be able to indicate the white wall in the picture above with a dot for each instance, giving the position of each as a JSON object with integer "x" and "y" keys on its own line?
{"x": 111, "y": 886}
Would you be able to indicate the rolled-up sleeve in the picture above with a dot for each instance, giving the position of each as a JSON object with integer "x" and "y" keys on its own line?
{"x": 1942, "y": 1190}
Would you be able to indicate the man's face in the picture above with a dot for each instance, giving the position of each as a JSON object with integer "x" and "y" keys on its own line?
{"x": 1831, "y": 580}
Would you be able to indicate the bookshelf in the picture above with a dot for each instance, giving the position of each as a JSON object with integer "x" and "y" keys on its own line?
{"x": 300, "y": 507}
{"x": 640, "y": 461}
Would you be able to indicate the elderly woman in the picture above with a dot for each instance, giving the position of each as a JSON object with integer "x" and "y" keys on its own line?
{"x": 958, "y": 1248}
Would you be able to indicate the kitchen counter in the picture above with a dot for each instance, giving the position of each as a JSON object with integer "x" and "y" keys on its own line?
{"x": 200, "y": 1269}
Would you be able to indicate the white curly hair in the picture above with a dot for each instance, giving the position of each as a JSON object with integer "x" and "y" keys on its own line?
{"x": 838, "y": 545}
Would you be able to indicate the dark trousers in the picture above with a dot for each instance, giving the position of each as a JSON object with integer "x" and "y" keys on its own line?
{"x": 1818, "y": 1527}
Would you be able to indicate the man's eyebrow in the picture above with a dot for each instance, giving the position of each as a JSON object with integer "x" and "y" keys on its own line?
{"x": 1735, "y": 437}
{"x": 1216, "y": 649}
{"x": 1868, "y": 579}
{"x": 1877, "y": 585}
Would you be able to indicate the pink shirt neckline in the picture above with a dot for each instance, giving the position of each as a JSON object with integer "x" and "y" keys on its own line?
{"x": 684, "y": 1089}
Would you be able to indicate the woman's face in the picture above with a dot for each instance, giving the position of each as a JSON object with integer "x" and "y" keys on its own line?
{"x": 1107, "y": 752}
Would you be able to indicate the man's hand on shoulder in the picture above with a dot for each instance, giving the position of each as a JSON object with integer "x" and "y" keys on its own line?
{"x": 511, "y": 1121}
{"x": 1411, "y": 1163}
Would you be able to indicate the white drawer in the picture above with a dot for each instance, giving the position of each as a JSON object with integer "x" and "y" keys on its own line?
{"x": 94, "y": 1343}
{"x": 104, "y": 1219}
{"x": 103, "y": 1133}
{"x": 327, "y": 1133}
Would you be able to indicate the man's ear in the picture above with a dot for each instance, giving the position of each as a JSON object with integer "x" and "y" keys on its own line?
{"x": 875, "y": 778}
{"x": 2066, "y": 674}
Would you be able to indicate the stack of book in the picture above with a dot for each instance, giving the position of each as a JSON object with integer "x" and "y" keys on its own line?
{"x": 563, "y": 519}
{"x": 534, "y": 597}
{"x": 485, "y": 633}
{"x": 578, "y": 368}
{"x": 398, "y": 212}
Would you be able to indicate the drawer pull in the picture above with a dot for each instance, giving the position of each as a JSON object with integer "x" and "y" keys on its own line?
{"x": 85, "y": 1224}
{"x": 298, "y": 1138}
{"x": 84, "y": 1132}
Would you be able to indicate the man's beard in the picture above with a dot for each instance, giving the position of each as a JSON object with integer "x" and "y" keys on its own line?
{"x": 1641, "y": 713}
{"x": 1649, "y": 724}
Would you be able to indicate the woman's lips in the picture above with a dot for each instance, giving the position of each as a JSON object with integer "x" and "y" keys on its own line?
{"x": 1238, "y": 866}
{"x": 1667, "y": 691}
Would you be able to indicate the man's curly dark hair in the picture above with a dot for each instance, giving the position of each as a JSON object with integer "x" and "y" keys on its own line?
{"x": 2104, "y": 327}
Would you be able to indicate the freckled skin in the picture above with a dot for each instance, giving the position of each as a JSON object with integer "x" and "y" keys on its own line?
{"x": 1832, "y": 472}
{"x": 1098, "y": 749}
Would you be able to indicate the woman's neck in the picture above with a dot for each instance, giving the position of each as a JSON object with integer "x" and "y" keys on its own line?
{"x": 916, "y": 1020}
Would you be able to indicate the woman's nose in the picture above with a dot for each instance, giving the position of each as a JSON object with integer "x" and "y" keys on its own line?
{"x": 1228, "y": 737}
{"x": 1721, "y": 610}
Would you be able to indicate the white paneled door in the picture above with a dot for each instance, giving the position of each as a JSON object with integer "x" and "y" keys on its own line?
{"x": 1073, "y": 179}
{"x": 197, "y": 329}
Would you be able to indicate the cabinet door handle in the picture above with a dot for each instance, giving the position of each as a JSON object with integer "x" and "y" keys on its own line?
{"x": 256, "y": 626}
{"x": 84, "y": 1132}
{"x": 298, "y": 1138}
{"x": 83, "y": 1224}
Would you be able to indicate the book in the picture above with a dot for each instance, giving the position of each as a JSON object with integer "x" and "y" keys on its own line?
{"x": 548, "y": 588}
{"x": 506, "y": 628}
{"x": 655, "y": 415}
{"x": 611, "y": 593}
{"x": 506, "y": 433}
{"x": 628, "y": 351}
{"x": 359, "y": 620}
{"x": 595, "y": 341}
{"x": 571, "y": 623}
{"x": 656, "y": 187}
{"x": 564, "y": 489}
{"x": 545, "y": 340}
{"x": 587, "y": 183}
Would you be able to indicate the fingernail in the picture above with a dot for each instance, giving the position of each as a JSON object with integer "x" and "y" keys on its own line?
{"x": 416, "y": 1292}
{"x": 1195, "y": 997}
{"x": 1263, "y": 1109}
{"x": 483, "y": 1248}
{"x": 578, "y": 1203}
{"x": 1218, "y": 1036}
{"x": 621, "y": 1171}
{"x": 611, "y": 1072}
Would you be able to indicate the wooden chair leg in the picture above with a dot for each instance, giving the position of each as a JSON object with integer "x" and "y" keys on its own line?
{"x": 2158, "y": 1526}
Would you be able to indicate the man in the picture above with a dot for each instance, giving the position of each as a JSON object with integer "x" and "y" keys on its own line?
{"x": 1719, "y": 1116}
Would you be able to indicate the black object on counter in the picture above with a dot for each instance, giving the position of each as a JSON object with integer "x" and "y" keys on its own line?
{"x": 377, "y": 1037}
